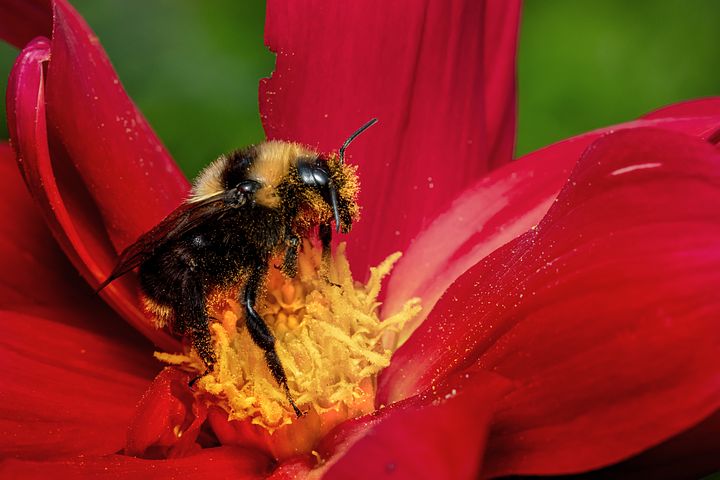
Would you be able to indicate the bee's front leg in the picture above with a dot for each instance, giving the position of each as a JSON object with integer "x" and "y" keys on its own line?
{"x": 289, "y": 266}
{"x": 325, "y": 234}
{"x": 261, "y": 334}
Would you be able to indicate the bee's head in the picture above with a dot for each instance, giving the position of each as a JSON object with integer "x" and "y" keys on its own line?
{"x": 335, "y": 183}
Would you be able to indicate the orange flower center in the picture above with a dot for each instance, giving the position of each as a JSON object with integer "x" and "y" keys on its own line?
{"x": 330, "y": 341}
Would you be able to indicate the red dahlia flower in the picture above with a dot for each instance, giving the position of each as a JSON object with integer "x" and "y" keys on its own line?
{"x": 570, "y": 306}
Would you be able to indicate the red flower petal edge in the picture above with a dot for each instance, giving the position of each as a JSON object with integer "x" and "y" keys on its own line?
{"x": 692, "y": 454}
{"x": 604, "y": 316}
{"x": 99, "y": 172}
{"x": 223, "y": 462}
{"x": 508, "y": 202}
{"x": 438, "y": 130}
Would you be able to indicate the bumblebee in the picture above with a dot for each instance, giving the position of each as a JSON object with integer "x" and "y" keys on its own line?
{"x": 245, "y": 209}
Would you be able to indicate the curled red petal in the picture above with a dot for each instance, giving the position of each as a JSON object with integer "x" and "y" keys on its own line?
{"x": 72, "y": 371}
{"x": 508, "y": 202}
{"x": 98, "y": 171}
{"x": 168, "y": 418}
{"x": 23, "y": 20}
{"x": 440, "y": 78}
{"x": 604, "y": 315}
{"x": 124, "y": 166}
{"x": 60, "y": 193}
{"x": 222, "y": 462}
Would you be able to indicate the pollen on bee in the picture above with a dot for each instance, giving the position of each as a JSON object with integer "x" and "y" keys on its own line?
{"x": 330, "y": 340}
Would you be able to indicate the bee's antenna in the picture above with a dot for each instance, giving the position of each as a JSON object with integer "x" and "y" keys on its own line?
{"x": 360, "y": 130}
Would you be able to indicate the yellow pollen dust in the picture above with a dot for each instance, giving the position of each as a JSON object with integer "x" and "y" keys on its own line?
{"x": 328, "y": 336}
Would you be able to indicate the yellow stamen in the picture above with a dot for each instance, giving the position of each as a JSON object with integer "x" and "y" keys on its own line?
{"x": 330, "y": 342}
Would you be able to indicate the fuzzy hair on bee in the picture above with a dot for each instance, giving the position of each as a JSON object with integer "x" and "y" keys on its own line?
{"x": 245, "y": 209}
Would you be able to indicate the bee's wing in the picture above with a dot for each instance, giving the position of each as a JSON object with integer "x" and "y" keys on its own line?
{"x": 183, "y": 219}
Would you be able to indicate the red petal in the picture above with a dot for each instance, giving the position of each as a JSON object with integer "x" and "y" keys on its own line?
{"x": 168, "y": 419}
{"x": 71, "y": 378}
{"x": 223, "y": 462}
{"x": 439, "y": 437}
{"x": 439, "y": 76}
{"x": 72, "y": 371}
{"x": 702, "y": 107}
{"x": 498, "y": 208}
{"x": 508, "y": 202}
{"x": 60, "y": 193}
{"x": 605, "y": 315}
{"x": 23, "y": 20}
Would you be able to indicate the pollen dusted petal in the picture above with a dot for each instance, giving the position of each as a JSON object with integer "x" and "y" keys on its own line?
{"x": 438, "y": 76}
{"x": 605, "y": 315}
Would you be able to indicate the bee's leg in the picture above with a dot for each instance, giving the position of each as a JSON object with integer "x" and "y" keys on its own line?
{"x": 289, "y": 266}
{"x": 325, "y": 234}
{"x": 192, "y": 310}
{"x": 261, "y": 334}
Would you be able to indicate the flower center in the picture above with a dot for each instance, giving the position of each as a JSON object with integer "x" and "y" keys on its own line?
{"x": 330, "y": 341}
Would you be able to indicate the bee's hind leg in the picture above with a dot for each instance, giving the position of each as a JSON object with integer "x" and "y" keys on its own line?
{"x": 261, "y": 334}
{"x": 192, "y": 309}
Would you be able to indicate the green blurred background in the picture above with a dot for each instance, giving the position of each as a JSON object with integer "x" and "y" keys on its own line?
{"x": 193, "y": 67}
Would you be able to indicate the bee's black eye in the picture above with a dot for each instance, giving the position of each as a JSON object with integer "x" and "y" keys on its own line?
{"x": 312, "y": 173}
